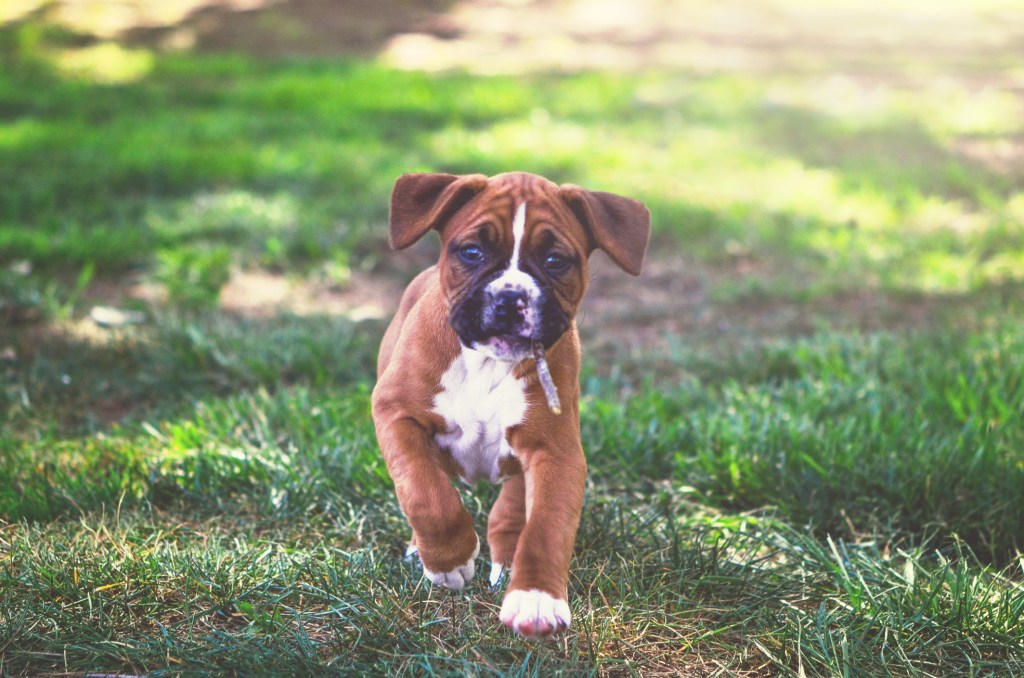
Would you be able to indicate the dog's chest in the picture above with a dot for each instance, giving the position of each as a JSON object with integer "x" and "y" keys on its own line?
{"x": 479, "y": 399}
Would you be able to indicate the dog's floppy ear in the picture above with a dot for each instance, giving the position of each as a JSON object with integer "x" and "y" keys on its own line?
{"x": 619, "y": 226}
{"x": 420, "y": 202}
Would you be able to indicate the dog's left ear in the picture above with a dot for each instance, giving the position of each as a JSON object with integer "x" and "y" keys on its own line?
{"x": 619, "y": 226}
{"x": 420, "y": 202}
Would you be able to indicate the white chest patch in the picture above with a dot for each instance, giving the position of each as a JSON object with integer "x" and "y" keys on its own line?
{"x": 479, "y": 399}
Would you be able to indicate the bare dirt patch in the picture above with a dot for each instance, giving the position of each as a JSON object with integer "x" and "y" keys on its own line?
{"x": 364, "y": 296}
{"x": 672, "y": 304}
{"x": 675, "y": 302}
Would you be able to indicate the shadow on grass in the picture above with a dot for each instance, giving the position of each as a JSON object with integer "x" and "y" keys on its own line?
{"x": 213, "y": 410}
{"x": 264, "y": 27}
{"x": 898, "y": 155}
{"x": 297, "y": 27}
{"x": 80, "y": 380}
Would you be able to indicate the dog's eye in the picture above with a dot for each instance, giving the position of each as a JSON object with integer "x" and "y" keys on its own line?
{"x": 556, "y": 263}
{"x": 472, "y": 254}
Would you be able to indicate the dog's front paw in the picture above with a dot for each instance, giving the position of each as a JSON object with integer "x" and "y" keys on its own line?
{"x": 455, "y": 578}
{"x": 534, "y": 614}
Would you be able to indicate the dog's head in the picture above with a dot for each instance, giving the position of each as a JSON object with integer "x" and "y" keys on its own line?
{"x": 515, "y": 247}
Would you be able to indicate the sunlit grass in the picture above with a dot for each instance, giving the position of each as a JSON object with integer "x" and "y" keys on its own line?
{"x": 863, "y": 182}
{"x": 105, "y": 62}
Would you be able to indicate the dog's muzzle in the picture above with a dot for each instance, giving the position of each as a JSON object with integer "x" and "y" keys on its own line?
{"x": 508, "y": 312}
{"x": 503, "y": 323}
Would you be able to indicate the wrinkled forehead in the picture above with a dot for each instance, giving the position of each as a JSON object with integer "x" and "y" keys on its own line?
{"x": 498, "y": 203}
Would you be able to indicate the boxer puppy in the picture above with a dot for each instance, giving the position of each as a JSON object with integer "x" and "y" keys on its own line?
{"x": 458, "y": 393}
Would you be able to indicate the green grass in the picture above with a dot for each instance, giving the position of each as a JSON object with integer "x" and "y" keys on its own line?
{"x": 832, "y": 514}
{"x": 201, "y": 493}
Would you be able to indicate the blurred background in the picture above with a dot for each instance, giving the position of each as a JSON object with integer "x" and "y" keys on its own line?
{"x": 806, "y": 162}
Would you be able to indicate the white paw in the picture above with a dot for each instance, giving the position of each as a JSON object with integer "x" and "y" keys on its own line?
{"x": 497, "y": 569}
{"x": 534, "y": 613}
{"x": 457, "y": 578}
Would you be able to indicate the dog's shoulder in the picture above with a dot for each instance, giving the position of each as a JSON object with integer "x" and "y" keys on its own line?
{"x": 420, "y": 285}
{"x": 424, "y": 285}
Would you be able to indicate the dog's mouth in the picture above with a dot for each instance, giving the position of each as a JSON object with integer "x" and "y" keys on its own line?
{"x": 506, "y": 336}
{"x": 505, "y": 346}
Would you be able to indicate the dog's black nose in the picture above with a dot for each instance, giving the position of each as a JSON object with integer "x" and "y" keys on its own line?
{"x": 509, "y": 304}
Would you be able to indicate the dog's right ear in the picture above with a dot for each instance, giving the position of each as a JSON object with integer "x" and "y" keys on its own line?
{"x": 420, "y": 202}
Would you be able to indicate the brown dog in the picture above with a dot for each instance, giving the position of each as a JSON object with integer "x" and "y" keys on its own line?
{"x": 458, "y": 393}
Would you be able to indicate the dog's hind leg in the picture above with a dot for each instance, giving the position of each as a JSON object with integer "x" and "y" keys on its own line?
{"x": 505, "y": 524}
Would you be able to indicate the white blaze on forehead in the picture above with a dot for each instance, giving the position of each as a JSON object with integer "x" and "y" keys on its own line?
{"x": 518, "y": 230}
{"x": 514, "y": 277}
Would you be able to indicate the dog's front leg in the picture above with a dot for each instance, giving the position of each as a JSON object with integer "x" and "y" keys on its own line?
{"x": 442, "y": 528}
{"x": 536, "y": 603}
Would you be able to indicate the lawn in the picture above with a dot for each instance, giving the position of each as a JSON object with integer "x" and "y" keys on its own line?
{"x": 802, "y": 423}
